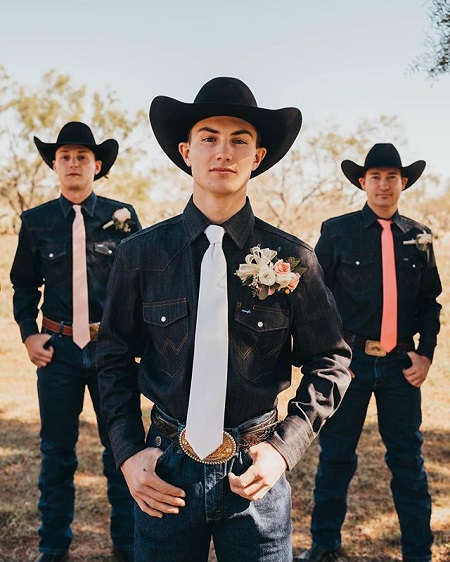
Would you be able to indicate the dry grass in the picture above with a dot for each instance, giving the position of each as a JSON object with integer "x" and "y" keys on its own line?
{"x": 370, "y": 532}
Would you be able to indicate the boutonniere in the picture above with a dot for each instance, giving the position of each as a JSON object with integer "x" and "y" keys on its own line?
{"x": 421, "y": 241}
{"x": 265, "y": 273}
{"x": 121, "y": 219}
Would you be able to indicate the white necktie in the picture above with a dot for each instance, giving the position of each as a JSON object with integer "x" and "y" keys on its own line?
{"x": 80, "y": 320}
{"x": 205, "y": 418}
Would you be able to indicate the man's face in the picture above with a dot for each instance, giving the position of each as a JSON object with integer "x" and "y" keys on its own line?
{"x": 383, "y": 187}
{"x": 76, "y": 167}
{"x": 222, "y": 153}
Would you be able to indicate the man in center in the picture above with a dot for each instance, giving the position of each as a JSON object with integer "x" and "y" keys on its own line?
{"x": 218, "y": 305}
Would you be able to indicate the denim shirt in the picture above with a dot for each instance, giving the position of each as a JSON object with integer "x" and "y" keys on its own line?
{"x": 150, "y": 313}
{"x": 349, "y": 251}
{"x": 44, "y": 257}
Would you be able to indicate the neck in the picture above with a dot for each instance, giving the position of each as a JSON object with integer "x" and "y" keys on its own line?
{"x": 383, "y": 212}
{"x": 219, "y": 210}
{"x": 76, "y": 197}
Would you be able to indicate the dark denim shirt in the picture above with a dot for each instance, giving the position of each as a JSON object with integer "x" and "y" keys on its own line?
{"x": 44, "y": 257}
{"x": 349, "y": 251}
{"x": 150, "y": 312}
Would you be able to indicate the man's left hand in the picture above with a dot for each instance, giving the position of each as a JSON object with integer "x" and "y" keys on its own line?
{"x": 268, "y": 466}
{"x": 417, "y": 373}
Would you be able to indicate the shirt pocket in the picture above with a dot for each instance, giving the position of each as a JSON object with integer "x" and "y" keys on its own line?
{"x": 258, "y": 336}
{"x": 167, "y": 325}
{"x": 410, "y": 274}
{"x": 355, "y": 272}
{"x": 56, "y": 263}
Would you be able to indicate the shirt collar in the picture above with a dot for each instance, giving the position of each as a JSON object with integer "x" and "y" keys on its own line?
{"x": 238, "y": 227}
{"x": 369, "y": 218}
{"x": 88, "y": 204}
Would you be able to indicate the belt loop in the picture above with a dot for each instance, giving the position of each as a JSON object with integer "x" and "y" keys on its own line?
{"x": 61, "y": 328}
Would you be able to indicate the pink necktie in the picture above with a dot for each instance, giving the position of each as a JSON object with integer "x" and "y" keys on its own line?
{"x": 388, "y": 336}
{"x": 80, "y": 324}
{"x": 205, "y": 417}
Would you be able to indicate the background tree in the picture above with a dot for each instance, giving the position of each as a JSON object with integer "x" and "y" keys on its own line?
{"x": 436, "y": 60}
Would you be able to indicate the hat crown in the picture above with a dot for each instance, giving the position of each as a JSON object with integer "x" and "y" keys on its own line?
{"x": 76, "y": 132}
{"x": 383, "y": 155}
{"x": 225, "y": 90}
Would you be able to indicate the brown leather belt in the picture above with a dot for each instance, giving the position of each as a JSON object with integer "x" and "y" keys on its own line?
{"x": 373, "y": 347}
{"x": 66, "y": 330}
{"x": 225, "y": 451}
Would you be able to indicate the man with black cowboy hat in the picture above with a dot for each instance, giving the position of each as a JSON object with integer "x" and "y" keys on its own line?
{"x": 219, "y": 305}
{"x": 67, "y": 246}
{"x": 380, "y": 266}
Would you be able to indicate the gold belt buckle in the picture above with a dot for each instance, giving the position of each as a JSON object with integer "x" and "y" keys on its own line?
{"x": 223, "y": 453}
{"x": 374, "y": 348}
{"x": 93, "y": 331}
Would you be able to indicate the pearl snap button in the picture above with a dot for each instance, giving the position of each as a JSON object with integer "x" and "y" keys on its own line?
{"x": 50, "y": 255}
{"x": 414, "y": 265}
{"x": 163, "y": 318}
{"x": 109, "y": 251}
{"x": 357, "y": 262}
{"x": 260, "y": 324}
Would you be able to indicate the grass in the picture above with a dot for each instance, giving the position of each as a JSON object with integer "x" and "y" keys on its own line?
{"x": 370, "y": 532}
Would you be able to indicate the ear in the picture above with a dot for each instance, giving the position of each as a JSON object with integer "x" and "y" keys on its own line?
{"x": 362, "y": 183}
{"x": 259, "y": 156}
{"x": 184, "y": 149}
{"x": 404, "y": 182}
{"x": 53, "y": 165}
{"x": 98, "y": 166}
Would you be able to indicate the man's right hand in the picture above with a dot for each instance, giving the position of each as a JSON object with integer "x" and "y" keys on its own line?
{"x": 37, "y": 353}
{"x": 152, "y": 494}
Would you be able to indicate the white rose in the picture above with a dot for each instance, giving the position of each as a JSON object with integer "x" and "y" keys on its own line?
{"x": 267, "y": 276}
{"x": 122, "y": 215}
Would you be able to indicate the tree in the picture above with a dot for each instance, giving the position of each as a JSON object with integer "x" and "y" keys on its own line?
{"x": 436, "y": 60}
{"x": 25, "y": 180}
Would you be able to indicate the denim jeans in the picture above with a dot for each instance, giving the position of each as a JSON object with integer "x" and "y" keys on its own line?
{"x": 61, "y": 386}
{"x": 258, "y": 531}
{"x": 399, "y": 420}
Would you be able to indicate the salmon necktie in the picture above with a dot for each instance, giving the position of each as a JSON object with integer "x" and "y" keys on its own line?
{"x": 206, "y": 410}
{"x": 80, "y": 321}
{"x": 388, "y": 336}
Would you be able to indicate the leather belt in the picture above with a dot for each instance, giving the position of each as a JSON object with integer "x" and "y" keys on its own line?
{"x": 225, "y": 451}
{"x": 66, "y": 330}
{"x": 373, "y": 347}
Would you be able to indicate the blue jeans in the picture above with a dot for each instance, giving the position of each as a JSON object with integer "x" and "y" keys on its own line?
{"x": 258, "y": 531}
{"x": 399, "y": 420}
{"x": 61, "y": 386}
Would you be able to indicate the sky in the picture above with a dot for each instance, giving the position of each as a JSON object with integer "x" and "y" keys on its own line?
{"x": 338, "y": 61}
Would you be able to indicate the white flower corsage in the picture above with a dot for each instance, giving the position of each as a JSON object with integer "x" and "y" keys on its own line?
{"x": 121, "y": 220}
{"x": 266, "y": 274}
{"x": 421, "y": 241}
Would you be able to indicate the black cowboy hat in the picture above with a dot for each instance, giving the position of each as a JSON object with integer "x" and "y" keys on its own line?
{"x": 172, "y": 120}
{"x": 81, "y": 135}
{"x": 383, "y": 155}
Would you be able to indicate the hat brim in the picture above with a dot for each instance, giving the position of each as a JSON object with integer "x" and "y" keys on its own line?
{"x": 106, "y": 152}
{"x": 172, "y": 120}
{"x": 353, "y": 172}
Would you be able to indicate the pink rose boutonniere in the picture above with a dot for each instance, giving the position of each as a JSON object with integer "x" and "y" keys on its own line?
{"x": 121, "y": 220}
{"x": 265, "y": 273}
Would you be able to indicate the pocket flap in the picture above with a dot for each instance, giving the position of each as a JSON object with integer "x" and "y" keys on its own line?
{"x": 165, "y": 313}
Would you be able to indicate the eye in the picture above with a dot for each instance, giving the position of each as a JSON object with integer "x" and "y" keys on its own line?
{"x": 209, "y": 139}
{"x": 239, "y": 141}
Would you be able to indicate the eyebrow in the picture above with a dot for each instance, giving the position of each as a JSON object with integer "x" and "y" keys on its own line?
{"x": 216, "y": 132}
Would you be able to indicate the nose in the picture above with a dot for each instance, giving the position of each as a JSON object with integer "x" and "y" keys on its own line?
{"x": 222, "y": 151}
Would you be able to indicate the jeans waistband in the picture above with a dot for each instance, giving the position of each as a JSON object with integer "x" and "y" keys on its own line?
{"x": 246, "y": 434}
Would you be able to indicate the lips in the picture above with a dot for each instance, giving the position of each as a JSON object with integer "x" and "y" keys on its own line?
{"x": 222, "y": 170}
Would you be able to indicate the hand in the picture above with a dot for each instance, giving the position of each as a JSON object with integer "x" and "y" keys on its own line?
{"x": 267, "y": 468}
{"x": 38, "y": 355}
{"x": 417, "y": 373}
{"x": 152, "y": 494}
